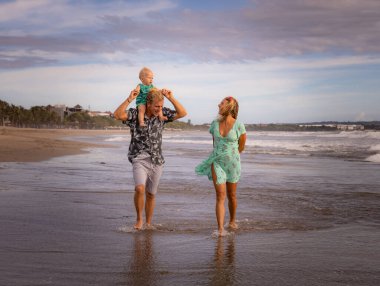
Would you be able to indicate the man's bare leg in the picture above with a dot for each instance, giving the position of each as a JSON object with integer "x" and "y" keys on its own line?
{"x": 232, "y": 204}
{"x": 149, "y": 208}
{"x": 139, "y": 205}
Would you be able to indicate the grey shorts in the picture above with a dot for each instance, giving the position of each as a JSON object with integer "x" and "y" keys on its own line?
{"x": 147, "y": 174}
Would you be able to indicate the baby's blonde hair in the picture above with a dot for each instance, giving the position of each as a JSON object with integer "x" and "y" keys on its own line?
{"x": 143, "y": 71}
{"x": 232, "y": 107}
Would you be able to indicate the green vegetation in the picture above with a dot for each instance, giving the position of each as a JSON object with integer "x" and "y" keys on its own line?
{"x": 52, "y": 117}
{"x": 48, "y": 117}
{"x": 179, "y": 125}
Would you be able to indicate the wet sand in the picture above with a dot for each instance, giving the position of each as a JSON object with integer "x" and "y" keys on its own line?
{"x": 68, "y": 221}
{"x": 33, "y": 145}
{"x": 72, "y": 238}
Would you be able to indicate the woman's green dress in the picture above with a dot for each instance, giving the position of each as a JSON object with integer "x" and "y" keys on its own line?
{"x": 225, "y": 155}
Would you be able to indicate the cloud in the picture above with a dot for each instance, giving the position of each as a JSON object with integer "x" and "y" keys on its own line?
{"x": 272, "y": 90}
{"x": 361, "y": 116}
{"x": 163, "y": 30}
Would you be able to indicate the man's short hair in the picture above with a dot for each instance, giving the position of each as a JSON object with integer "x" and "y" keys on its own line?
{"x": 154, "y": 95}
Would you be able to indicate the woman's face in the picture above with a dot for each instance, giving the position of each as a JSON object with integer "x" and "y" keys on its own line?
{"x": 221, "y": 105}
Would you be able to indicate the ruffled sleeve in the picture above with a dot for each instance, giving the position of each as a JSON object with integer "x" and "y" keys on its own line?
{"x": 240, "y": 129}
{"x": 211, "y": 129}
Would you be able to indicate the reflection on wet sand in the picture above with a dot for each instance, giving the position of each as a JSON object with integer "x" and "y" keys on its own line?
{"x": 224, "y": 260}
{"x": 141, "y": 270}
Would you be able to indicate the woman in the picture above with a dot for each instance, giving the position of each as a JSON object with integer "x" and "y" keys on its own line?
{"x": 223, "y": 165}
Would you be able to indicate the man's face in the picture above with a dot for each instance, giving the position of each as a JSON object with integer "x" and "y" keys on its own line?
{"x": 154, "y": 108}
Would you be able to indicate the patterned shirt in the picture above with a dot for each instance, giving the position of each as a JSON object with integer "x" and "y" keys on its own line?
{"x": 148, "y": 139}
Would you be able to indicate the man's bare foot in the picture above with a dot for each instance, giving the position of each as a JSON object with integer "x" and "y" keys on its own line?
{"x": 138, "y": 225}
{"x": 233, "y": 226}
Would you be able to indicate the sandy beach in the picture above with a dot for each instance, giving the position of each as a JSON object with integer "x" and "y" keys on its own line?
{"x": 68, "y": 220}
{"x": 33, "y": 145}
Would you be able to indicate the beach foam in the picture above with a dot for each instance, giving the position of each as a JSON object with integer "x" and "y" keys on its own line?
{"x": 117, "y": 139}
{"x": 225, "y": 233}
{"x": 374, "y": 158}
{"x": 187, "y": 141}
{"x": 375, "y": 147}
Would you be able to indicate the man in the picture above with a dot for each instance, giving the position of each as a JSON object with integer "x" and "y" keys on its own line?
{"x": 145, "y": 147}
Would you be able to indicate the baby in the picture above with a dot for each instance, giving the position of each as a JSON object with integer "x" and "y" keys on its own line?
{"x": 146, "y": 77}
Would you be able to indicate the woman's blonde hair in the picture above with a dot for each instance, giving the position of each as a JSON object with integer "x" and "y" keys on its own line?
{"x": 231, "y": 107}
{"x": 154, "y": 95}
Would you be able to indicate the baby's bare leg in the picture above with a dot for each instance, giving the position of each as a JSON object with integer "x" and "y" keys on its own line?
{"x": 142, "y": 109}
{"x": 162, "y": 117}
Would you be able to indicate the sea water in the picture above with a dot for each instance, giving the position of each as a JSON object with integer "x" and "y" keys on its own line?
{"x": 308, "y": 213}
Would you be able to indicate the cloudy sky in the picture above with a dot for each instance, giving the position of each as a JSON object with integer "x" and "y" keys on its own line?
{"x": 284, "y": 60}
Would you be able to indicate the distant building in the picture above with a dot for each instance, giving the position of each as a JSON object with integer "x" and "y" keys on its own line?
{"x": 64, "y": 111}
{"x": 318, "y": 125}
{"x": 70, "y": 110}
{"x": 60, "y": 110}
{"x": 350, "y": 127}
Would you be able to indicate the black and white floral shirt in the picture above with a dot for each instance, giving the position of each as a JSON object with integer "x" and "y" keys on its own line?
{"x": 147, "y": 140}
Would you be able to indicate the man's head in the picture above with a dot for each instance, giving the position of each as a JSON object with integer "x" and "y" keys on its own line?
{"x": 154, "y": 102}
{"x": 146, "y": 76}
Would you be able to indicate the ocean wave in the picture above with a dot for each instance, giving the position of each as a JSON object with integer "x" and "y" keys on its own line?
{"x": 117, "y": 139}
{"x": 322, "y": 134}
{"x": 306, "y": 146}
{"x": 375, "y": 147}
{"x": 188, "y": 141}
{"x": 374, "y": 134}
{"x": 374, "y": 158}
{"x": 344, "y": 144}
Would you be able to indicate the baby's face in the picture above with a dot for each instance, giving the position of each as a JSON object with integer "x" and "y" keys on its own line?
{"x": 147, "y": 78}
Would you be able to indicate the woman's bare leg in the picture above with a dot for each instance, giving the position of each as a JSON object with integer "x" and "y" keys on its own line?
{"x": 220, "y": 190}
{"x": 232, "y": 204}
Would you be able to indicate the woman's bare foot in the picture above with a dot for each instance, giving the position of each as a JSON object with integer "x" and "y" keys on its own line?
{"x": 233, "y": 226}
{"x": 138, "y": 225}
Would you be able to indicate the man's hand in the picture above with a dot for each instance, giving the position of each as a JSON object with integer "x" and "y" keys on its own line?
{"x": 181, "y": 111}
{"x": 134, "y": 93}
{"x": 167, "y": 93}
{"x": 120, "y": 113}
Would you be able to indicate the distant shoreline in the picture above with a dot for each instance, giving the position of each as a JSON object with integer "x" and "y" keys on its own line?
{"x": 33, "y": 145}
